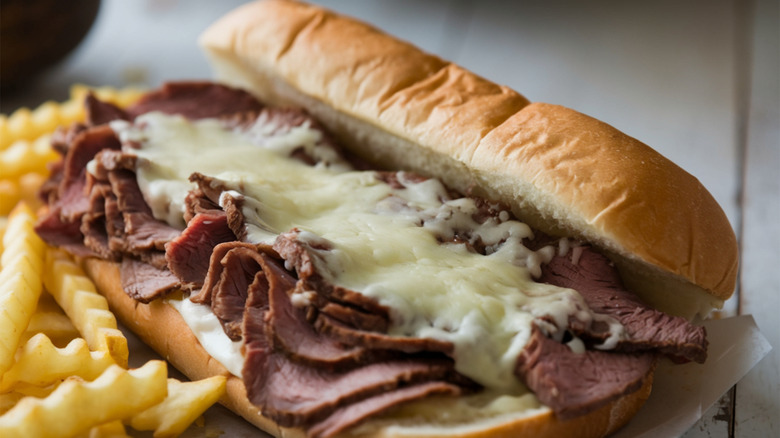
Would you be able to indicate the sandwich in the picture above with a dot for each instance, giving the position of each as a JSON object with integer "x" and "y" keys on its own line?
{"x": 369, "y": 240}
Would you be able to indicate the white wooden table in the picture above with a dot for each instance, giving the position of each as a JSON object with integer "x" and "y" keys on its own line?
{"x": 697, "y": 80}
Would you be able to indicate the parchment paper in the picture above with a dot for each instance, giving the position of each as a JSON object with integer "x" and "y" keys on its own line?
{"x": 682, "y": 393}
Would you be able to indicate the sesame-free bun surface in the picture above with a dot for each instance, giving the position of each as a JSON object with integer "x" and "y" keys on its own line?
{"x": 160, "y": 326}
{"x": 561, "y": 171}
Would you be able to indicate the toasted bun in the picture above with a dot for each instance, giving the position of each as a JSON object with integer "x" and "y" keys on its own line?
{"x": 161, "y": 327}
{"x": 561, "y": 171}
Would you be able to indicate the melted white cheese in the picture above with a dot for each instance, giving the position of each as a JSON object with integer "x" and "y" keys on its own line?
{"x": 383, "y": 241}
{"x": 206, "y": 327}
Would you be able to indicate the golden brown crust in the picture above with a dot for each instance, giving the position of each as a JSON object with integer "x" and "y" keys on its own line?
{"x": 617, "y": 191}
{"x": 565, "y": 171}
{"x": 161, "y": 327}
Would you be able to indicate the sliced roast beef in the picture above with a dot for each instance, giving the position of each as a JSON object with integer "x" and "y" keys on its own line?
{"x": 197, "y": 202}
{"x": 211, "y": 191}
{"x": 294, "y": 394}
{"x": 573, "y": 384}
{"x": 72, "y": 197}
{"x": 83, "y": 149}
{"x": 115, "y": 225}
{"x": 93, "y": 224}
{"x": 208, "y": 187}
{"x": 100, "y": 112}
{"x": 109, "y": 159}
{"x": 63, "y": 137}
{"x": 66, "y": 235}
{"x": 110, "y": 222}
{"x": 144, "y": 232}
{"x": 144, "y": 282}
{"x": 196, "y": 100}
{"x": 229, "y": 302}
{"x": 295, "y": 336}
{"x": 380, "y": 341}
{"x": 287, "y": 325}
{"x": 216, "y": 268}
{"x": 232, "y": 206}
{"x": 597, "y": 280}
{"x": 106, "y": 162}
{"x": 352, "y": 316}
{"x": 302, "y": 256}
{"x": 188, "y": 254}
{"x": 61, "y": 141}
{"x": 233, "y": 268}
{"x": 241, "y": 266}
{"x": 351, "y": 415}
{"x": 125, "y": 186}
{"x": 73, "y": 201}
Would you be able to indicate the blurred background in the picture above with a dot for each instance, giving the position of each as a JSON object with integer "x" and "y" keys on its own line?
{"x": 697, "y": 80}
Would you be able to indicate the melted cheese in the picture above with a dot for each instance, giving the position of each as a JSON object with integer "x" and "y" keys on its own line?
{"x": 206, "y": 327}
{"x": 383, "y": 241}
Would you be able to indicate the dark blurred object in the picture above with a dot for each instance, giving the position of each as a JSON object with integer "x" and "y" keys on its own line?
{"x": 35, "y": 34}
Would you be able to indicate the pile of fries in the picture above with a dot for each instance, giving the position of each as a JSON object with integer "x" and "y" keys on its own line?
{"x": 63, "y": 361}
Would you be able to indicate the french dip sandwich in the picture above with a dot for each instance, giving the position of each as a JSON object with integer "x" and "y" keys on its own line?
{"x": 369, "y": 240}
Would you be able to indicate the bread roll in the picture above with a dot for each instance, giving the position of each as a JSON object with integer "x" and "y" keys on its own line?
{"x": 562, "y": 172}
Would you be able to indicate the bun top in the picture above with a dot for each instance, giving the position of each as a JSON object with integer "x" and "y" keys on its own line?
{"x": 561, "y": 171}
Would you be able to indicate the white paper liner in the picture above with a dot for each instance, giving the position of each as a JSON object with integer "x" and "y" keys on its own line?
{"x": 682, "y": 393}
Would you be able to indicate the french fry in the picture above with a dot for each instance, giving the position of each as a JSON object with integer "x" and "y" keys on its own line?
{"x": 77, "y": 406}
{"x": 114, "y": 429}
{"x": 46, "y": 118}
{"x": 185, "y": 403}
{"x": 16, "y": 127}
{"x": 55, "y": 325}
{"x": 6, "y": 137}
{"x": 39, "y": 362}
{"x": 34, "y": 390}
{"x": 26, "y": 156}
{"x": 8, "y": 400}
{"x": 25, "y": 124}
{"x": 3, "y": 227}
{"x": 29, "y": 185}
{"x": 20, "y": 239}
{"x": 10, "y": 194}
{"x": 87, "y": 309}
{"x": 20, "y": 281}
{"x": 28, "y": 125}
{"x": 50, "y": 319}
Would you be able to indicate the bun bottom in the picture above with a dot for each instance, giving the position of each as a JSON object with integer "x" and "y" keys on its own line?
{"x": 162, "y": 328}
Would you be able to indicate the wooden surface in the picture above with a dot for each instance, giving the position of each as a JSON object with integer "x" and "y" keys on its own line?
{"x": 697, "y": 80}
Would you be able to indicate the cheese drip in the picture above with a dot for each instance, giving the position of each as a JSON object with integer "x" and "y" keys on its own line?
{"x": 384, "y": 241}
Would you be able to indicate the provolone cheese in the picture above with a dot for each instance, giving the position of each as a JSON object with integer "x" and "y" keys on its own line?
{"x": 384, "y": 242}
